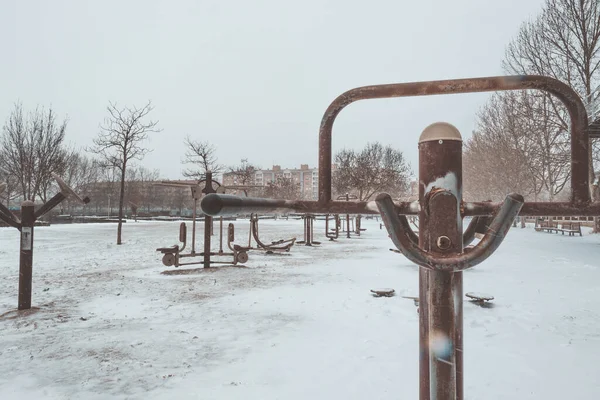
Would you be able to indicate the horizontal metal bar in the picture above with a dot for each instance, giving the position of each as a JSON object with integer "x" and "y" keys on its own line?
{"x": 539, "y": 209}
{"x": 227, "y": 205}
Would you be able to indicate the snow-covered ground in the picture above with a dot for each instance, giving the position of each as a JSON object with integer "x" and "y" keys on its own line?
{"x": 298, "y": 326}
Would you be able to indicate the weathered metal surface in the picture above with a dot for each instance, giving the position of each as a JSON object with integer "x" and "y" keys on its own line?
{"x": 573, "y": 103}
{"x": 477, "y": 225}
{"x": 442, "y": 256}
{"x": 336, "y": 231}
{"x": 8, "y": 217}
{"x": 208, "y": 221}
{"x": 536, "y": 209}
{"x": 53, "y": 202}
{"x": 26, "y": 256}
{"x": 457, "y": 296}
{"x": 309, "y": 231}
{"x": 280, "y": 245}
{"x": 228, "y": 205}
{"x": 398, "y": 228}
{"x": 440, "y": 232}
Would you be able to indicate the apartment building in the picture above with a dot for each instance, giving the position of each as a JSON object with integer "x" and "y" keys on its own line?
{"x": 306, "y": 178}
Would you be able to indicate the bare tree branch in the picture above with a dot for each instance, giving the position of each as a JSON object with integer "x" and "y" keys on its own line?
{"x": 202, "y": 157}
{"x": 31, "y": 150}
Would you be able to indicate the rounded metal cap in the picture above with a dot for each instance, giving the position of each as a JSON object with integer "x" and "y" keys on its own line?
{"x": 440, "y": 131}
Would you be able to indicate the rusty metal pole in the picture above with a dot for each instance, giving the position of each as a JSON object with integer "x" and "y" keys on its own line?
{"x": 194, "y": 216}
{"x": 220, "y": 235}
{"x": 26, "y": 257}
{"x": 457, "y": 288}
{"x": 347, "y": 219}
{"x": 208, "y": 222}
{"x": 207, "y": 237}
{"x": 440, "y": 292}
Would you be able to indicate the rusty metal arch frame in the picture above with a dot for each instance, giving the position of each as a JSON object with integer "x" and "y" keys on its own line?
{"x": 580, "y": 192}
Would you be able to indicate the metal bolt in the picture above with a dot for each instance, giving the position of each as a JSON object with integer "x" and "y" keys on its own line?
{"x": 443, "y": 242}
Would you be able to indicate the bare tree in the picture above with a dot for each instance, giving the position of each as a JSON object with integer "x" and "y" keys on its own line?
{"x": 563, "y": 42}
{"x": 81, "y": 173}
{"x": 373, "y": 170}
{"x": 31, "y": 150}
{"x": 244, "y": 174}
{"x": 121, "y": 140}
{"x": 496, "y": 159}
{"x": 149, "y": 193}
{"x": 9, "y": 193}
{"x": 516, "y": 148}
{"x": 282, "y": 188}
{"x": 202, "y": 157}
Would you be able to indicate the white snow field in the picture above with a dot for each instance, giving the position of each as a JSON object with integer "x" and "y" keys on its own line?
{"x": 302, "y": 326}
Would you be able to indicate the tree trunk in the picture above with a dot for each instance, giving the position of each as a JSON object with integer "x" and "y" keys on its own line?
{"x": 595, "y": 199}
{"x": 121, "y": 198}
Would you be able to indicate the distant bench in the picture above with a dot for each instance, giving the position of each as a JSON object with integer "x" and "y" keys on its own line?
{"x": 571, "y": 228}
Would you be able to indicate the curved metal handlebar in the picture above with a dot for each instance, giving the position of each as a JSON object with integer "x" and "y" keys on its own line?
{"x": 477, "y": 225}
{"x": 399, "y": 230}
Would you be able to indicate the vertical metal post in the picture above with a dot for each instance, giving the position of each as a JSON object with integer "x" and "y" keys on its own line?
{"x": 250, "y": 232}
{"x": 423, "y": 333}
{"x": 26, "y": 257}
{"x": 208, "y": 222}
{"x": 348, "y": 226}
{"x": 194, "y": 212}
{"x": 347, "y": 219}
{"x": 440, "y": 292}
{"x": 457, "y": 282}
{"x": 221, "y": 235}
{"x": 207, "y": 237}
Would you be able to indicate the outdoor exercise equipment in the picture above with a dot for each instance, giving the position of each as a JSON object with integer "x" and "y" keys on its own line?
{"x": 351, "y": 226}
{"x": 283, "y": 245}
{"x": 439, "y": 248}
{"x": 309, "y": 220}
{"x": 172, "y": 255}
{"x": 25, "y": 225}
{"x": 279, "y": 245}
{"x": 386, "y": 292}
{"x": 480, "y": 299}
{"x": 332, "y": 233}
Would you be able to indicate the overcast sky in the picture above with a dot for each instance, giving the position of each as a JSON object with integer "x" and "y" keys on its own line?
{"x": 252, "y": 77}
